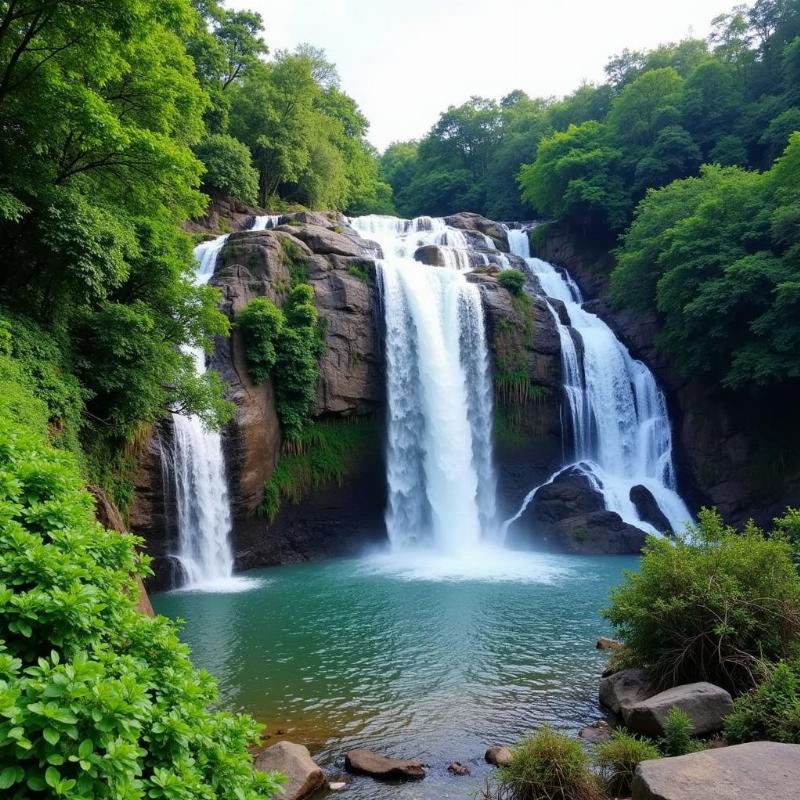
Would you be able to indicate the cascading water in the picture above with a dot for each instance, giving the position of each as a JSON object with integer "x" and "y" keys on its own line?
{"x": 201, "y": 488}
{"x": 440, "y": 475}
{"x": 266, "y": 222}
{"x": 620, "y": 430}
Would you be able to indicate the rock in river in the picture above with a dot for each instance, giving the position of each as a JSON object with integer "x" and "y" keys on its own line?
{"x": 500, "y": 756}
{"x": 625, "y": 688}
{"x": 367, "y": 762}
{"x": 303, "y": 775}
{"x": 704, "y": 703}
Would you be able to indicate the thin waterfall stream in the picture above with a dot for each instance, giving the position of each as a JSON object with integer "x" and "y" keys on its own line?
{"x": 618, "y": 422}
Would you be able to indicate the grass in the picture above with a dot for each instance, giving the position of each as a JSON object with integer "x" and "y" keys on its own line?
{"x": 359, "y": 271}
{"x": 325, "y": 454}
{"x": 295, "y": 261}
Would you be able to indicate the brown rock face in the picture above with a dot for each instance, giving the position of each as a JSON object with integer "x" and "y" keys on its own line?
{"x": 468, "y": 220}
{"x": 303, "y": 775}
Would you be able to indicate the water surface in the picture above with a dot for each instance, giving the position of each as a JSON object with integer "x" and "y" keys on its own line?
{"x": 422, "y": 658}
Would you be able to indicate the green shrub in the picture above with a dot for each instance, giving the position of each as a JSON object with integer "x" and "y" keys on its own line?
{"x": 98, "y": 700}
{"x": 262, "y": 324}
{"x": 229, "y": 167}
{"x": 771, "y": 711}
{"x": 714, "y": 605}
{"x": 677, "y": 739}
{"x": 512, "y": 279}
{"x": 548, "y": 766}
{"x": 617, "y": 760}
{"x": 787, "y": 528}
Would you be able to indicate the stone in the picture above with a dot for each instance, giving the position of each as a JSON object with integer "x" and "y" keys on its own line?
{"x": 499, "y": 756}
{"x": 469, "y": 220}
{"x": 754, "y": 770}
{"x": 625, "y": 688}
{"x": 608, "y": 644}
{"x": 706, "y": 705}
{"x": 367, "y": 762}
{"x": 457, "y": 768}
{"x": 303, "y": 774}
{"x": 598, "y": 731}
{"x": 337, "y": 786}
{"x": 429, "y": 254}
{"x": 325, "y": 241}
{"x": 647, "y": 508}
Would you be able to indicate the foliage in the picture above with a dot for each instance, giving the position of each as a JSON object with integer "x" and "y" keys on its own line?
{"x": 229, "y": 168}
{"x": 99, "y": 701}
{"x": 716, "y": 257}
{"x": 617, "y": 760}
{"x": 512, "y": 279}
{"x": 324, "y": 455}
{"x": 677, "y": 739}
{"x": 285, "y": 344}
{"x": 548, "y": 766}
{"x": 771, "y": 711}
{"x": 714, "y": 604}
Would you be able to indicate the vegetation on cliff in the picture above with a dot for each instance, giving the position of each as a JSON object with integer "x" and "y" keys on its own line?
{"x": 96, "y": 699}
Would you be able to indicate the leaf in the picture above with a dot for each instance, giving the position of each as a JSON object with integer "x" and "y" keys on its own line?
{"x": 9, "y": 776}
{"x": 51, "y": 735}
{"x": 52, "y": 777}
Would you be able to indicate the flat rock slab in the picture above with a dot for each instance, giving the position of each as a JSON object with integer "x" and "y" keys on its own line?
{"x": 755, "y": 770}
{"x": 367, "y": 762}
{"x": 706, "y": 705}
{"x": 303, "y": 774}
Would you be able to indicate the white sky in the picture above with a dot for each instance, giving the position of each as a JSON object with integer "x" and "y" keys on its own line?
{"x": 405, "y": 61}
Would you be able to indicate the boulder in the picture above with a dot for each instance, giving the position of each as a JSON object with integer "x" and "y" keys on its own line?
{"x": 457, "y": 768}
{"x": 625, "y": 688}
{"x": 704, "y": 703}
{"x": 500, "y": 756}
{"x": 647, "y": 508}
{"x": 303, "y": 775}
{"x": 324, "y": 241}
{"x": 367, "y": 762}
{"x": 608, "y": 644}
{"x": 599, "y": 731}
{"x": 753, "y": 770}
{"x": 470, "y": 221}
{"x": 430, "y": 254}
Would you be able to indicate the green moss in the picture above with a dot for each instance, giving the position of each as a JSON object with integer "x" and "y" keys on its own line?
{"x": 323, "y": 456}
{"x": 295, "y": 261}
{"x": 360, "y": 271}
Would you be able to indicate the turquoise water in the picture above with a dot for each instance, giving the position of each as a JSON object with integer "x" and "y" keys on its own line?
{"x": 419, "y": 659}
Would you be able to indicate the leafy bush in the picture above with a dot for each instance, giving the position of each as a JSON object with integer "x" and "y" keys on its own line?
{"x": 229, "y": 166}
{"x": 548, "y": 766}
{"x": 262, "y": 324}
{"x": 711, "y": 605}
{"x": 677, "y": 739}
{"x": 285, "y": 344}
{"x": 618, "y": 758}
{"x": 771, "y": 711}
{"x": 98, "y": 701}
{"x": 512, "y": 279}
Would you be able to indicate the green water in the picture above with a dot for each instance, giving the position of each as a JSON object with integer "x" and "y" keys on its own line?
{"x": 421, "y": 659}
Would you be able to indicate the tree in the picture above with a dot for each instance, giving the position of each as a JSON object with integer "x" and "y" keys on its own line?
{"x": 229, "y": 167}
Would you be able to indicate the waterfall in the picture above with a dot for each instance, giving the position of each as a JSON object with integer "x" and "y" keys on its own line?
{"x": 440, "y": 475}
{"x": 618, "y": 423}
{"x": 201, "y": 488}
{"x": 266, "y": 222}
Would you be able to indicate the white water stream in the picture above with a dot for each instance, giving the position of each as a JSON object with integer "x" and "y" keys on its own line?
{"x": 440, "y": 476}
{"x": 620, "y": 430}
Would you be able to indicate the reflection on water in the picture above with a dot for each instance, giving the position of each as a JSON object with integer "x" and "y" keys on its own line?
{"x": 418, "y": 658}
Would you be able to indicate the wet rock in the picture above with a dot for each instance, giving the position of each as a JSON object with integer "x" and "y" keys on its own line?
{"x": 468, "y": 220}
{"x": 647, "y": 508}
{"x": 303, "y": 774}
{"x": 499, "y": 756}
{"x": 608, "y": 644}
{"x": 754, "y": 770}
{"x": 367, "y": 762}
{"x": 337, "y": 786}
{"x": 625, "y": 688}
{"x": 705, "y": 704}
{"x": 457, "y": 768}
{"x": 430, "y": 254}
{"x": 599, "y": 731}
{"x": 325, "y": 241}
